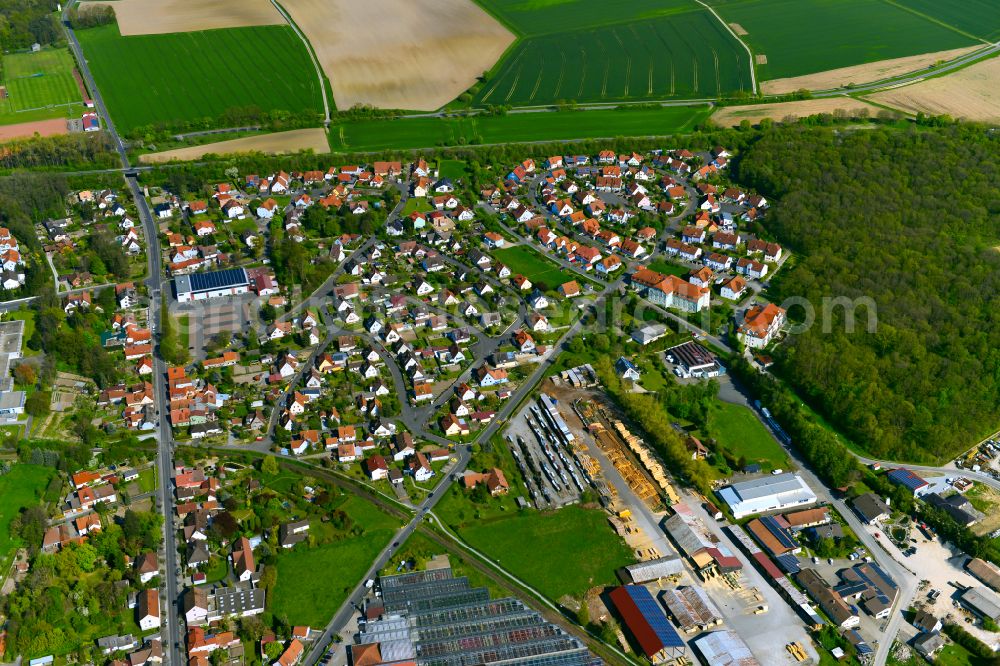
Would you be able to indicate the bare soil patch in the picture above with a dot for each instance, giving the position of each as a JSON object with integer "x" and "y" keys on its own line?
{"x": 972, "y": 93}
{"x": 274, "y": 144}
{"x": 157, "y": 17}
{"x": 731, "y": 116}
{"x": 738, "y": 29}
{"x": 873, "y": 71}
{"x": 28, "y": 130}
{"x": 760, "y": 59}
{"x": 420, "y": 54}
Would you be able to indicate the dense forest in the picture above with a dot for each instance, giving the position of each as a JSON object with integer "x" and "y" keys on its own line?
{"x": 24, "y": 22}
{"x": 910, "y": 219}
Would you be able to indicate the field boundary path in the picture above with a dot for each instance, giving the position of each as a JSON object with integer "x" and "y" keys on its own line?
{"x": 753, "y": 72}
{"x": 315, "y": 62}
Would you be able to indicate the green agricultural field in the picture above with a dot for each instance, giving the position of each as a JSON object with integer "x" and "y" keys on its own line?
{"x": 39, "y": 86}
{"x": 536, "y": 547}
{"x": 680, "y": 56}
{"x": 196, "y": 76}
{"x": 532, "y": 265}
{"x": 20, "y": 488}
{"x": 976, "y": 17}
{"x": 738, "y": 430}
{"x": 807, "y": 36}
{"x": 411, "y": 133}
{"x": 541, "y": 17}
{"x": 301, "y": 596}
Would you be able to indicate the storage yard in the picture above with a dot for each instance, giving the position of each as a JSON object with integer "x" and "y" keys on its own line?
{"x": 699, "y": 577}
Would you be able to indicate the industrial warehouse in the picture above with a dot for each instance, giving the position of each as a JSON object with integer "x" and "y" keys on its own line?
{"x": 201, "y": 286}
{"x": 770, "y": 493}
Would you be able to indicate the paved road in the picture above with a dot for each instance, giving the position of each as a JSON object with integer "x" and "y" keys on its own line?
{"x": 906, "y": 580}
{"x": 170, "y": 630}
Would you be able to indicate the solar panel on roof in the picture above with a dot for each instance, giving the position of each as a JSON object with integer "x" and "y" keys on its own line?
{"x": 231, "y": 277}
{"x": 651, "y": 612}
{"x": 779, "y": 533}
{"x": 907, "y": 478}
{"x": 789, "y": 563}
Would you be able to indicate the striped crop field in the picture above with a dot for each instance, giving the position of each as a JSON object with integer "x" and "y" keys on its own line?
{"x": 800, "y": 37}
{"x": 193, "y": 76}
{"x": 410, "y": 133}
{"x": 979, "y": 18}
{"x": 644, "y": 50}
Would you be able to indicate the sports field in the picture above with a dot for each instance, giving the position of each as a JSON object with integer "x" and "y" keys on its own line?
{"x": 39, "y": 85}
{"x": 152, "y": 79}
{"x": 687, "y": 54}
{"x": 409, "y": 133}
{"x": 800, "y": 37}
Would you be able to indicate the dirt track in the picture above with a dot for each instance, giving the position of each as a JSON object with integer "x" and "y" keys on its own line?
{"x": 423, "y": 54}
{"x": 732, "y": 115}
{"x": 275, "y": 144}
{"x": 157, "y": 17}
{"x": 873, "y": 71}
{"x": 972, "y": 93}
{"x": 28, "y": 130}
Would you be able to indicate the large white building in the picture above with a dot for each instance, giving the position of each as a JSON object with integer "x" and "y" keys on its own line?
{"x": 200, "y": 286}
{"x": 770, "y": 493}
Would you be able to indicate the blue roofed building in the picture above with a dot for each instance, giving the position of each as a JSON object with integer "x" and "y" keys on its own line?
{"x": 908, "y": 479}
{"x": 645, "y": 620}
{"x": 199, "y": 286}
{"x": 626, "y": 369}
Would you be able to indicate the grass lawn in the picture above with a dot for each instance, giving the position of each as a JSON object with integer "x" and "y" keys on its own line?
{"x": 20, "y": 488}
{"x": 410, "y": 133}
{"x": 738, "y": 430}
{"x": 184, "y": 331}
{"x": 956, "y": 655}
{"x": 10, "y": 434}
{"x": 198, "y": 76}
{"x": 28, "y": 317}
{"x": 453, "y": 169}
{"x": 218, "y": 572}
{"x": 534, "y": 266}
{"x": 313, "y": 582}
{"x": 417, "y": 205}
{"x": 669, "y": 268}
{"x": 538, "y": 547}
{"x": 39, "y": 86}
{"x": 147, "y": 480}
